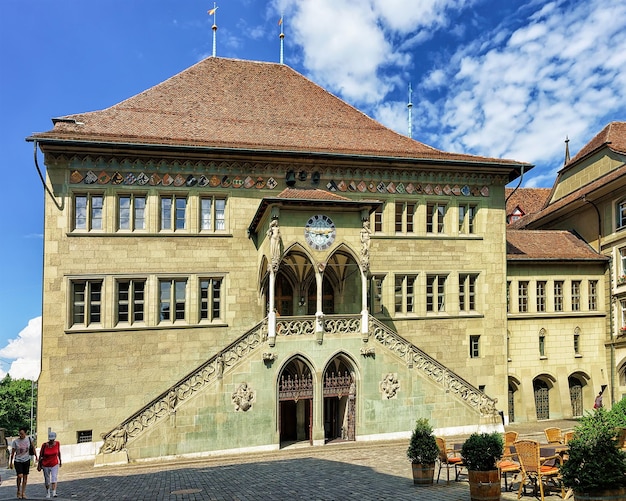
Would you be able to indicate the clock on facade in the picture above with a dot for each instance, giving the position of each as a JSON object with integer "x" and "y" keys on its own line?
{"x": 320, "y": 232}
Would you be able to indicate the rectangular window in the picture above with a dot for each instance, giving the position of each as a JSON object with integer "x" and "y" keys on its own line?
{"x": 131, "y": 300}
{"x": 377, "y": 294}
{"x": 88, "y": 212}
{"x": 621, "y": 214}
{"x": 577, "y": 344}
{"x": 622, "y": 325}
{"x": 467, "y": 292}
{"x": 508, "y": 296}
{"x": 405, "y": 293}
{"x": 575, "y": 295}
{"x": 131, "y": 212}
{"x": 541, "y": 296}
{"x": 522, "y": 296}
{"x": 174, "y": 212}
{"x": 172, "y": 295}
{"x": 405, "y": 216}
{"x": 86, "y": 302}
{"x": 558, "y": 295}
{"x": 83, "y": 436}
{"x": 622, "y": 264}
{"x": 593, "y": 295}
{"x": 467, "y": 216}
{"x": 378, "y": 219}
{"x": 210, "y": 298}
{"x": 435, "y": 213}
{"x": 542, "y": 345}
{"x": 435, "y": 293}
{"x": 474, "y": 346}
{"x": 212, "y": 214}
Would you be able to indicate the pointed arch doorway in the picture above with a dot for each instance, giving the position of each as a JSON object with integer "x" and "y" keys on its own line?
{"x": 339, "y": 400}
{"x": 295, "y": 401}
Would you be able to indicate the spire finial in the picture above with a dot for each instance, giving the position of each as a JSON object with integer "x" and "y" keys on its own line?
{"x": 214, "y": 27}
{"x": 282, "y": 38}
{"x": 567, "y": 157}
{"x": 410, "y": 107}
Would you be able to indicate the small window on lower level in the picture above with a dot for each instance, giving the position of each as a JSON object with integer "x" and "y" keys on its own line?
{"x": 474, "y": 346}
{"x": 84, "y": 436}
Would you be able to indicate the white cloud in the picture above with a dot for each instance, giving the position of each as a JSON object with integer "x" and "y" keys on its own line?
{"x": 550, "y": 69}
{"x": 25, "y": 351}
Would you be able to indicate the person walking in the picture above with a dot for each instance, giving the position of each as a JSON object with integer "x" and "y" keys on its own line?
{"x": 22, "y": 449}
{"x": 597, "y": 404}
{"x": 49, "y": 462}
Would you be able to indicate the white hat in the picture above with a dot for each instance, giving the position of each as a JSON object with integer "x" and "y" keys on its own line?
{"x": 52, "y": 436}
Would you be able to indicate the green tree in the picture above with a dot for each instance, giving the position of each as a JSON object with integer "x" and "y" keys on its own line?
{"x": 15, "y": 404}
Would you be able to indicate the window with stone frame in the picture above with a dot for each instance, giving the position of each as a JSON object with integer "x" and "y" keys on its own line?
{"x": 542, "y": 343}
{"x": 436, "y": 293}
{"x": 541, "y": 296}
{"x": 620, "y": 210}
{"x": 210, "y": 298}
{"x": 86, "y": 302}
{"x": 88, "y": 211}
{"x": 212, "y": 213}
{"x": 131, "y": 212}
{"x": 173, "y": 212}
{"x": 575, "y": 295}
{"x": 405, "y": 293}
{"x": 376, "y": 297}
{"x": 621, "y": 277}
{"x": 172, "y": 300}
{"x": 467, "y": 218}
{"x": 405, "y": 217}
{"x": 558, "y": 295}
{"x": 378, "y": 219}
{"x": 131, "y": 300}
{"x": 467, "y": 292}
{"x": 435, "y": 217}
{"x": 592, "y": 294}
{"x": 474, "y": 346}
{"x": 522, "y": 296}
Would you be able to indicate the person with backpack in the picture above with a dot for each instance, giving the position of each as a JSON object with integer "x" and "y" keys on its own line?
{"x": 49, "y": 462}
{"x": 22, "y": 449}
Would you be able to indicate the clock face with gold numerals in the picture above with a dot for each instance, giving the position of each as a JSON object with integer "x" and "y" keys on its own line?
{"x": 320, "y": 232}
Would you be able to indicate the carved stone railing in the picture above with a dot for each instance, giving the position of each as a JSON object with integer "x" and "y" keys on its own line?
{"x": 305, "y": 325}
{"x": 433, "y": 370}
{"x": 166, "y": 403}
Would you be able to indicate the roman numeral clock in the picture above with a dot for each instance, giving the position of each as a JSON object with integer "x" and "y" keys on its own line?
{"x": 320, "y": 232}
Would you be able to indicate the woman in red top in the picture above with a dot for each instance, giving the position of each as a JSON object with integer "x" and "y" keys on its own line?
{"x": 49, "y": 461}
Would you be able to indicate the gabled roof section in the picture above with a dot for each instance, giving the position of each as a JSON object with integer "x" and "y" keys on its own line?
{"x": 613, "y": 136}
{"x": 528, "y": 200}
{"x": 309, "y": 198}
{"x": 234, "y": 104}
{"x": 548, "y": 245}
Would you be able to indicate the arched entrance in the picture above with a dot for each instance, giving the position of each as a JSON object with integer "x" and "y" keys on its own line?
{"x": 542, "y": 398}
{"x": 295, "y": 400}
{"x": 339, "y": 391}
{"x": 513, "y": 394}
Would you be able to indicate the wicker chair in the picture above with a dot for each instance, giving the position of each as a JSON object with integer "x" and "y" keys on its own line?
{"x": 448, "y": 458}
{"x": 509, "y": 439}
{"x": 534, "y": 468}
{"x": 553, "y": 435}
{"x": 567, "y": 436}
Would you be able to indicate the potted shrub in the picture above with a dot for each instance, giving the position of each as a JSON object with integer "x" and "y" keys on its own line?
{"x": 481, "y": 453}
{"x": 595, "y": 468}
{"x": 423, "y": 452}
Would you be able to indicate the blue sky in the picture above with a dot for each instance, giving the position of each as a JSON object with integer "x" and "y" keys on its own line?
{"x": 497, "y": 78}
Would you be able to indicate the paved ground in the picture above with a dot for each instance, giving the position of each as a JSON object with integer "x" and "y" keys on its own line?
{"x": 358, "y": 471}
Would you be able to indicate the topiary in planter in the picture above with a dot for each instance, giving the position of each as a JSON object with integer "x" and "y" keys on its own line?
{"x": 422, "y": 446}
{"x": 594, "y": 463}
{"x": 482, "y": 451}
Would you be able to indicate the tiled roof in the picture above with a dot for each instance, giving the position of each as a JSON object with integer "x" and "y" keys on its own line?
{"x": 574, "y": 197}
{"x": 550, "y": 245}
{"x": 613, "y": 136}
{"x": 229, "y": 103}
{"x": 529, "y": 200}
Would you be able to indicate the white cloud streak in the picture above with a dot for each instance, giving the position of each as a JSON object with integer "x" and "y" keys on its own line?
{"x": 24, "y": 352}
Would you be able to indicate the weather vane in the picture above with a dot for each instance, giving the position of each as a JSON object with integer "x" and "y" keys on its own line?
{"x": 214, "y": 27}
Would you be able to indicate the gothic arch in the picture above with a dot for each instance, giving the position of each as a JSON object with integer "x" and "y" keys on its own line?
{"x": 295, "y": 387}
{"x": 339, "y": 380}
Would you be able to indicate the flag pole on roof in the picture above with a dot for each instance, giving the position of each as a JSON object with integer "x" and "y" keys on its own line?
{"x": 214, "y": 27}
{"x": 410, "y": 107}
{"x": 282, "y": 38}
